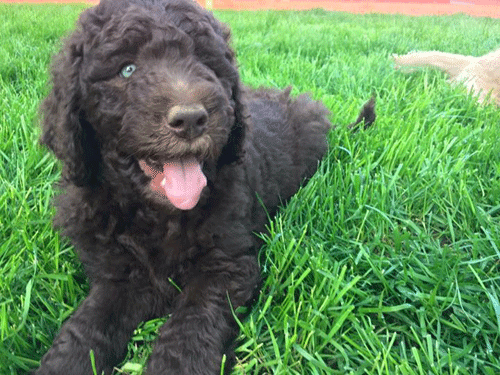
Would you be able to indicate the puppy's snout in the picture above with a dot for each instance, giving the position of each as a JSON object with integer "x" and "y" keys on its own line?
{"x": 188, "y": 121}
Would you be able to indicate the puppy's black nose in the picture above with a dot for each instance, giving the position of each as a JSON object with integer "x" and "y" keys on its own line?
{"x": 188, "y": 121}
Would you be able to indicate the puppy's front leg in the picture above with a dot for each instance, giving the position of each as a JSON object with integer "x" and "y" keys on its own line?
{"x": 103, "y": 323}
{"x": 201, "y": 329}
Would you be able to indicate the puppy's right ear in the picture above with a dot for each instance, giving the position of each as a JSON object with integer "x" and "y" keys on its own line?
{"x": 65, "y": 130}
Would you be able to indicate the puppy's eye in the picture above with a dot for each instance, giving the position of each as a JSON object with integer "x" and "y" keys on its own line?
{"x": 128, "y": 70}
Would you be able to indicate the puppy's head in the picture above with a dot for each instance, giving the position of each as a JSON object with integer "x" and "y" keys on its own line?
{"x": 149, "y": 87}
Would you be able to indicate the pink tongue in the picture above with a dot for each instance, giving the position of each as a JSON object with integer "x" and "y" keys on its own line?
{"x": 183, "y": 182}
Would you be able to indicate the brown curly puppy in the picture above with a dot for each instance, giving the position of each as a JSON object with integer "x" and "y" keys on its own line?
{"x": 167, "y": 163}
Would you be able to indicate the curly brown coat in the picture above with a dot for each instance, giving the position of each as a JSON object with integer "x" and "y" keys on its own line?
{"x": 167, "y": 164}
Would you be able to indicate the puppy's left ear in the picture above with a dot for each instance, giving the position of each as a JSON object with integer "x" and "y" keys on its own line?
{"x": 233, "y": 151}
{"x": 213, "y": 45}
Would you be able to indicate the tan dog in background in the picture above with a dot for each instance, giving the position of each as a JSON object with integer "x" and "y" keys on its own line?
{"x": 479, "y": 74}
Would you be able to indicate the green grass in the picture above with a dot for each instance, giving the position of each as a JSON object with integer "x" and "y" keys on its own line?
{"x": 387, "y": 262}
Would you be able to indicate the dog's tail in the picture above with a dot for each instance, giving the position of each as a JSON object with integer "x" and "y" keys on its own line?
{"x": 366, "y": 117}
{"x": 447, "y": 62}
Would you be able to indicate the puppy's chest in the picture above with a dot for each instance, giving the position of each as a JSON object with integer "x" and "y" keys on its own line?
{"x": 171, "y": 248}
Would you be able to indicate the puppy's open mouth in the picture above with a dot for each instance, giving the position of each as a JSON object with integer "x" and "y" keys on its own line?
{"x": 181, "y": 181}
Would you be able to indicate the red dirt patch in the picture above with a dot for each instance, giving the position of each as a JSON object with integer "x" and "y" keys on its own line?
{"x": 483, "y": 8}
{"x": 478, "y": 8}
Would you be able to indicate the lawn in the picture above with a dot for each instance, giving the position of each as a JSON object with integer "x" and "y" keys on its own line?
{"x": 387, "y": 262}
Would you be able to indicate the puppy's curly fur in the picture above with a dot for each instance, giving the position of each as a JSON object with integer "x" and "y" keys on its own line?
{"x": 147, "y": 103}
